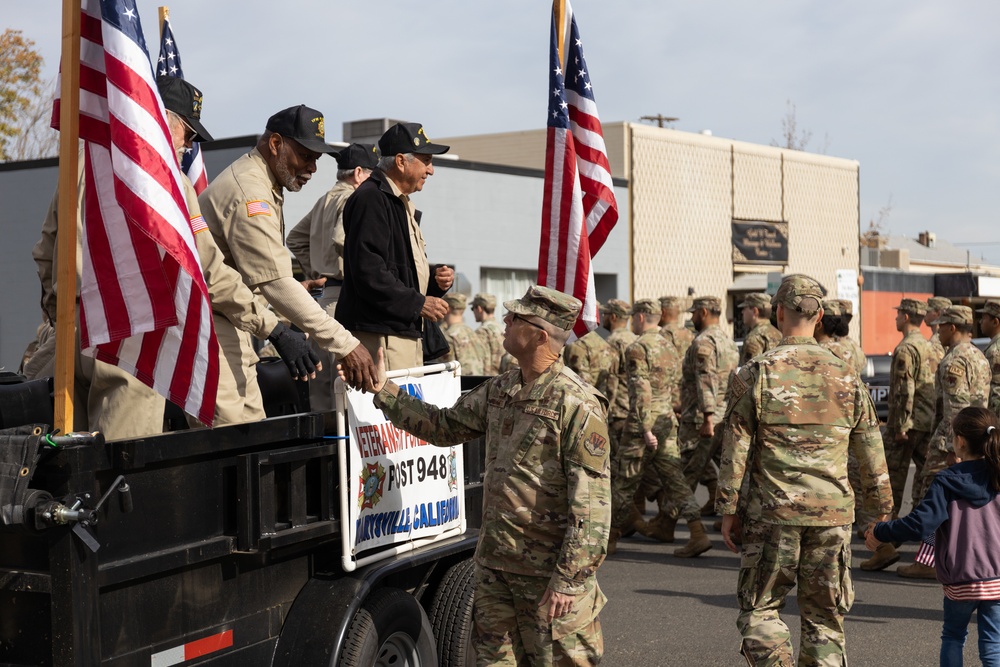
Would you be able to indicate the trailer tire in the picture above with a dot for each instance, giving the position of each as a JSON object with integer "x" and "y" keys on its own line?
{"x": 391, "y": 628}
{"x": 451, "y": 615}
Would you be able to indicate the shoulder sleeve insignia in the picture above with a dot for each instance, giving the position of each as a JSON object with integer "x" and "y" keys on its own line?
{"x": 258, "y": 207}
{"x": 596, "y": 444}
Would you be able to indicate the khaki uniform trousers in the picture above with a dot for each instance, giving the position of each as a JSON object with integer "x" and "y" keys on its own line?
{"x": 238, "y": 400}
{"x": 399, "y": 352}
{"x": 321, "y": 397}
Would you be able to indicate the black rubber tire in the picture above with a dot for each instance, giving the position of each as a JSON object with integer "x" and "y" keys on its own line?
{"x": 451, "y": 616}
{"x": 384, "y": 614}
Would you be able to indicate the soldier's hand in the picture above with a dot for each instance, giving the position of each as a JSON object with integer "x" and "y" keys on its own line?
{"x": 434, "y": 309}
{"x": 902, "y": 437}
{"x": 707, "y": 429}
{"x": 651, "y": 441}
{"x": 294, "y": 350}
{"x": 559, "y": 603}
{"x": 444, "y": 276}
{"x": 871, "y": 541}
{"x": 314, "y": 283}
{"x": 731, "y": 527}
{"x": 357, "y": 369}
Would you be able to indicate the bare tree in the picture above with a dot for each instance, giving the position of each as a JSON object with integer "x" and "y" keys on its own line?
{"x": 25, "y": 101}
{"x": 877, "y": 232}
{"x": 793, "y": 137}
{"x": 37, "y": 139}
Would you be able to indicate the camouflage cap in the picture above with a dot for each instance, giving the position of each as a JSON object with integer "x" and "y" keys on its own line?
{"x": 800, "y": 293}
{"x": 847, "y": 306}
{"x": 832, "y": 307}
{"x": 913, "y": 306}
{"x": 487, "y": 301}
{"x": 671, "y": 302}
{"x": 760, "y": 300}
{"x": 712, "y": 303}
{"x": 956, "y": 315}
{"x": 456, "y": 300}
{"x": 991, "y": 308}
{"x": 556, "y": 308}
{"x": 647, "y": 306}
{"x": 618, "y": 307}
{"x": 938, "y": 303}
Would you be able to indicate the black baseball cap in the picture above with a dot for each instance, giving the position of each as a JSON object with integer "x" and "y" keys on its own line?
{"x": 409, "y": 138}
{"x": 358, "y": 155}
{"x": 302, "y": 124}
{"x": 184, "y": 100}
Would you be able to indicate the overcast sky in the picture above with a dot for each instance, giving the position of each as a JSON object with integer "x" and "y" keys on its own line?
{"x": 909, "y": 88}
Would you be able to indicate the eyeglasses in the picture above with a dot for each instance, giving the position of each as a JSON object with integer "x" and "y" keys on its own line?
{"x": 515, "y": 316}
{"x": 189, "y": 132}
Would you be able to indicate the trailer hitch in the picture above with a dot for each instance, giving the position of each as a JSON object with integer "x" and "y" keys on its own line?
{"x": 73, "y": 511}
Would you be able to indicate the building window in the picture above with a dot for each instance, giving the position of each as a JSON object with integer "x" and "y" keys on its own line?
{"x": 506, "y": 284}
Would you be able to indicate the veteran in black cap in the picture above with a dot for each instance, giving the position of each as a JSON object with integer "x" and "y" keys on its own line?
{"x": 389, "y": 287}
{"x": 243, "y": 209}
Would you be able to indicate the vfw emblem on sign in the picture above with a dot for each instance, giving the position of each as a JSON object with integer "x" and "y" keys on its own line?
{"x": 371, "y": 482}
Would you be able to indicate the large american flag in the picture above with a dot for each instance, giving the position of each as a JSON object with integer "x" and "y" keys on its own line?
{"x": 578, "y": 206}
{"x": 169, "y": 64}
{"x": 144, "y": 305}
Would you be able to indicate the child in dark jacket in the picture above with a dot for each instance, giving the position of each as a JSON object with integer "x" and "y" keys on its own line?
{"x": 962, "y": 510}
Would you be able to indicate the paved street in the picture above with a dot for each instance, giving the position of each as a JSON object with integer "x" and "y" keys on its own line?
{"x": 669, "y": 611}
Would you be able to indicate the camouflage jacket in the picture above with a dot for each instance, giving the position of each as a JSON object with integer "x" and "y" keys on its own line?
{"x": 653, "y": 371}
{"x": 911, "y": 385}
{"x": 709, "y": 362}
{"x": 963, "y": 379}
{"x": 993, "y": 358}
{"x": 679, "y": 335}
{"x": 547, "y": 487}
{"x": 796, "y": 412}
{"x": 490, "y": 334}
{"x": 618, "y": 379}
{"x": 761, "y": 338}
{"x": 591, "y": 357}
{"x": 466, "y": 348}
{"x": 938, "y": 347}
{"x": 844, "y": 349}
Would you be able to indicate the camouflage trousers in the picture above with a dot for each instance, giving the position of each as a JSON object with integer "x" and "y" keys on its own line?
{"x": 512, "y": 627}
{"x": 774, "y": 560}
{"x": 698, "y": 454}
{"x": 634, "y": 458}
{"x": 616, "y": 430}
{"x": 898, "y": 456}
{"x": 936, "y": 461}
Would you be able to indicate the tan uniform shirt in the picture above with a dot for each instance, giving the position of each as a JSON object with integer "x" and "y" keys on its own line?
{"x": 417, "y": 243}
{"x": 318, "y": 240}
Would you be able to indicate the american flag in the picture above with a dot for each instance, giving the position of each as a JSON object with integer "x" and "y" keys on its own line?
{"x": 578, "y": 206}
{"x": 144, "y": 305}
{"x": 169, "y": 64}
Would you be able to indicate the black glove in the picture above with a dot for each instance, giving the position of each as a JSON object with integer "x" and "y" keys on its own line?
{"x": 294, "y": 351}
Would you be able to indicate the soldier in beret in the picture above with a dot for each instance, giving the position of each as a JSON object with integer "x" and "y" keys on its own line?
{"x": 762, "y": 335}
{"x": 935, "y": 306}
{"x": 794, "y": 414}
{"x": 989, "y": 324}
{"x": 546, "y": 504}
{"x": 490, "y": 333}
{"x": 466, "y": 347}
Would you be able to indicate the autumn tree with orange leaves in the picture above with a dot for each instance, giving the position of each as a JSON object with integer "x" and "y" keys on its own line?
{"x": 25, "y": 101}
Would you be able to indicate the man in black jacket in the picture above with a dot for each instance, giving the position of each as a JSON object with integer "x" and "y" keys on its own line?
{"x": 388, "y": 284}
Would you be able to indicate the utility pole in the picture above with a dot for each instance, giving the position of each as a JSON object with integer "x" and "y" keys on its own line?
{"x": 660, "y": 119}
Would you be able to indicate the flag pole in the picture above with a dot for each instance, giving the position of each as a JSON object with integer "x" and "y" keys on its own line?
{"x": 164, "y": 12}
{"x": 559, "y": 10}
{"x": 66, "y": 241}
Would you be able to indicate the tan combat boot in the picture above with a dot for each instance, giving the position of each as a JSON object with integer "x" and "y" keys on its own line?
{"x": 916, "y": 571}
{"x": 708, "y": 509}
{"x": 698, "y": 544}
{"x": 633, "y": 521}
{"x": 640, "y": 502}
{"x": 613, "y": 541}
{"x": 661, "y": 528}
{"x": 883, "y": 557}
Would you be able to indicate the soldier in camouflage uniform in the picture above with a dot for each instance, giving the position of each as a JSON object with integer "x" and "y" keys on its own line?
{"x": 672, "y": 324}
{"x": 963, "y": 379}
{"x": 616, "y": 320}
{"x": 762, "y": 335}
{"x": 591, "y": 358}
{"x": 989, "y": 324}
{"x": 705, "y": 373}
{"x": 466, "y": 347}
{"x": 844, "y": 335}
{"x": 795, "y": 412}
{"x": 547, "y": 496}
{"x": 935, "y": 306}
{"x": 841, "y": 346}
{"x": 650, "y": 438}
{"x": 911, "y": 414}
{"x": 490, "y": 332}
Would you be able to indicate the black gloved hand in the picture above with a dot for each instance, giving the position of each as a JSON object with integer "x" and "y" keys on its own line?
{"x": 294, "y": 351}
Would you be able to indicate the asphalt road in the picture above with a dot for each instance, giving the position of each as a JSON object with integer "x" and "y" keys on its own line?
{"x": 665, "y": 611}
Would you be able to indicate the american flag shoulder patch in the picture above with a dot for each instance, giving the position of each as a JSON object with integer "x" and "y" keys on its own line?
{"x": 258, "y": 208}
{"x": 198, "y": 224}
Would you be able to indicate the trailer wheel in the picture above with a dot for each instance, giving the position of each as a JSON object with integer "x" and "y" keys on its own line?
{"x": 390, "y": 630}
{"x": 451, "y": 616}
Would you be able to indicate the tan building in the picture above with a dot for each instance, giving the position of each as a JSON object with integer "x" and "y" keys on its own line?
{"x": 714, "y": 216}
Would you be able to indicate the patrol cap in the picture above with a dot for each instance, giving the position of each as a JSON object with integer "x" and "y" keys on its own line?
{"x": 556, "y": 308}
{"x": 913, "y": 306}
{"x": 184, "y": 100}
{"x": 712, "y": 303}
{"x": 619, "y": 308}
{"x": 956, "y": 315}
{"x": 800, "y": 293}
{"x": 847, "y": 306}
{"x": 760, "y": 300}
{"x": 647, "y": 306}
{"x": 409, "y": 138}
{"x": 456, "y": 300}
{"x": 671, "y": 302}
{"x": 358, "y": 155}
{"x": 833, "y": 307}
{"x": 484, "y": 300}
{"x": 302, "y": 124}
{"x": 991, "y": 308}
{"x": 938, "y": 303}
